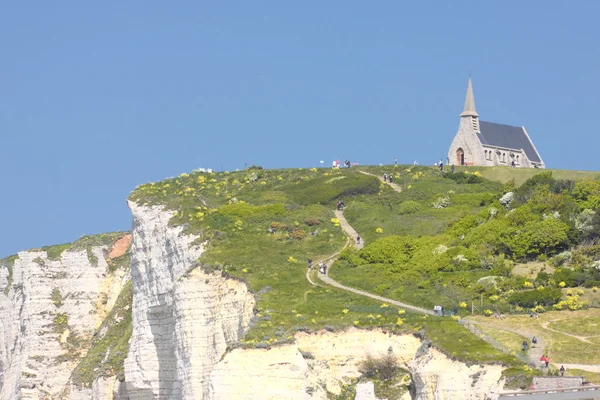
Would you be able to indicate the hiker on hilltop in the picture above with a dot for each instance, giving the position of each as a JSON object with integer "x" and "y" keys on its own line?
{"x": 452, "y": 168}
{"x": 441, "y": 165}
{"x": 390, "y": 178}
{"x": 395, "y": 161}
{"x": 385, "y": 177}
{"x": 358, "y": 240}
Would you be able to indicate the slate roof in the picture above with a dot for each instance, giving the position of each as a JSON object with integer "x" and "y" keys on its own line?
{"x": 511, "y": 137}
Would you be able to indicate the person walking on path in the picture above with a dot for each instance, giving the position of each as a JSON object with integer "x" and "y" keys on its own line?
{"x": 452, "y": 168}
{"x": 395, "y": 161}
{"x": 310, "y": 263}
{"x": 524, "y": 345}
{"x": 358, "y": 240}
{"x": 562, "y": 370}
{"x": 390, "y": 178}
{"x": 534, "y": 340}
{"x": 385, "y": 177}
{"x": 441, "y": 165}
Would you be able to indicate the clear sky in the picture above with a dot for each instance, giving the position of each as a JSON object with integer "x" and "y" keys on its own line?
{"x": 96, "y": 99}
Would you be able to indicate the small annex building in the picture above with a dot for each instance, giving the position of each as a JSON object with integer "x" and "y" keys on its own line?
{"x": 490, "y": 144}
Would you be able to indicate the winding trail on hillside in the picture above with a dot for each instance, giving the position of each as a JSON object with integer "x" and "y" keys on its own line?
{"x": 394, "y": 186}
{"x": 347, "y": 228}
{"x": 545, "y": 326}
{"x": 533, "y": 355}
{"x": 535, "y": 351}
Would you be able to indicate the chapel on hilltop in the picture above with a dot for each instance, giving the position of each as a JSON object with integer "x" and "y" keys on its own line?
{"x": 489, "y": 144}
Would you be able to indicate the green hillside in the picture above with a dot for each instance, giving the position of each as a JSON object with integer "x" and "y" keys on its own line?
{"x": 445, "y": 239}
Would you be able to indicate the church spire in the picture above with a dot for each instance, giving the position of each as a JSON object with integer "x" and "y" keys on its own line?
{"x": 469, "y": 103}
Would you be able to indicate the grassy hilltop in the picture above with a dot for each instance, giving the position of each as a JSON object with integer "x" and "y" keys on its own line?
{"x": 480, "y": 240}
{"x": 445, "y": 239}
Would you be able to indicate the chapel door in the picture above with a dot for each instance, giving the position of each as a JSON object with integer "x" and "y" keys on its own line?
{"x": 460, "y": 157}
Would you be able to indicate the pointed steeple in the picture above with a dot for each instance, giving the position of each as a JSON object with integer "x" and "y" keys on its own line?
{"x": 469, "y": 110}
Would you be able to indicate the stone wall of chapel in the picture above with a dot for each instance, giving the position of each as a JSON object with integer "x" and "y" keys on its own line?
{"x": 467, "y": 139}
{"x": 496, "y": 158}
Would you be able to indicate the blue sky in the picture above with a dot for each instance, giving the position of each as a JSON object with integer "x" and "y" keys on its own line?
{"x": 96, "y": 99}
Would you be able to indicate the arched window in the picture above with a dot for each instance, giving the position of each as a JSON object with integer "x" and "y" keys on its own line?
{"x": 503, "y": 157}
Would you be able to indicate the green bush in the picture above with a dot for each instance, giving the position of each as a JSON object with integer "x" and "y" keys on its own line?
{"x": 409, "y": 207}
{"x": 391, "y": 249}
{"x": 531, "y": 298}
{"x": 521, "y": 234}
{"x": 464, "y": 178}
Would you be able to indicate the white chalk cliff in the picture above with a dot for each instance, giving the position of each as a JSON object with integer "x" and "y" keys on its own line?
{"x": 283, "y": 373}
{"x": 49, "y": 310}
{"x": 183, "y": 319}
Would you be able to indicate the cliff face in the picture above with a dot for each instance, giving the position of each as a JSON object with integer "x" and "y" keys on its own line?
{"x": 435, "y": 376}
{"x": 50, "y": 306}
{"x": 320, "y": 363}
{"x": 182, "y": 321}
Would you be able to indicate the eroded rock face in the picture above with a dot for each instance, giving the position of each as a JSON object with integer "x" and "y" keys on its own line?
{"x": 283, "y": 373}
{"x": 102, "y": 389}
{"x": 437, "y": 377}
{"x": 182, "y": 320}
{"x": 47, "y": 317}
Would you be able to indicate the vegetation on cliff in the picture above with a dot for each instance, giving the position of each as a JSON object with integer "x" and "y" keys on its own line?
{"x": 451, "y": 239}
{"x": 110, "y": 344}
